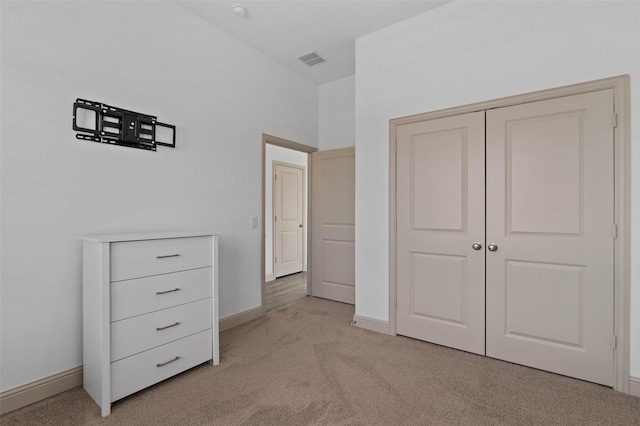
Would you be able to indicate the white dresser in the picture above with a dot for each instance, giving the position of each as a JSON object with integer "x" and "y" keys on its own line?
{"x": 150, "y": 309}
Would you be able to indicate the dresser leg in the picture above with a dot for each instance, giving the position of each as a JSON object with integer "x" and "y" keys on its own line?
{"x": 106, "y": 410}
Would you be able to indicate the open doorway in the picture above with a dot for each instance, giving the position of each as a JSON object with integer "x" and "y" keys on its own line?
{"x": 285, "y": 240}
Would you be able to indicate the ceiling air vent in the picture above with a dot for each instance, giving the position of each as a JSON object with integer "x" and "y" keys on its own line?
{"x": 312, "y": 59}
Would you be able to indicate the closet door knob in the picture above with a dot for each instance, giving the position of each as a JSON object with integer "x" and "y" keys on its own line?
{"x": 492, "y": 247}
{"x": 476, "y": 246}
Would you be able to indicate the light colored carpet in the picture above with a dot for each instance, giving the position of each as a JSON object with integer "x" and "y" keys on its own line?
{"x": 304, "y": 364}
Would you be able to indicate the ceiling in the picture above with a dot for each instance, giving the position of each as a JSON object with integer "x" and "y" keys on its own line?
{"x": 285, "y": 30}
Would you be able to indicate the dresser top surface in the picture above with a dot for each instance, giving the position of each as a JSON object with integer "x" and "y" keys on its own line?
{"x": 137, "y": 236}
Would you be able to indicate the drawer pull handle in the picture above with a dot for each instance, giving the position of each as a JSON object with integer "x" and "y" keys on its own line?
{"x": 167, "y": 326}
{"x": 167, "y": 255}
{"x": 162, "y": 364}
{"x": 167, "y": 291}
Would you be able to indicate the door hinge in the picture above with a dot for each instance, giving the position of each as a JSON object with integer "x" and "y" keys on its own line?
{"x": 614, "y": 231}
{"x": 615, "y": 342}
{"x": 275, "y": 218}
{"x": 276, "y": 260}
{"x": 395, "y": 224}
{"x": 275, "y": 177}
{"x": 614, "y": 120}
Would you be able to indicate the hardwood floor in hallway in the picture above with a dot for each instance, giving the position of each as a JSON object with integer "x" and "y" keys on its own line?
{"x": 285, "y": 290}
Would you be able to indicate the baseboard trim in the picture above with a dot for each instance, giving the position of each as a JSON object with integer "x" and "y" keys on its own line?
{"x": 634, "y": 386}
{"x": 235, "y": 320}
{"x": 372, "y": 324}
{"x": 38, "y": 390}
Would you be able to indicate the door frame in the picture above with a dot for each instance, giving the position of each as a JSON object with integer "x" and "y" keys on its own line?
{"x": 284, "y": 143}
{"x": 273, "y": 213}
{"x": 622, "y": 201}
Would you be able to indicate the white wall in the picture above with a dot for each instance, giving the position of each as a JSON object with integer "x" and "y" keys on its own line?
{"x": 337, "y": 125}
{"x": 278, "y": 153}
{"x": 466, "y": 52}
{"x": 151, "y": 57}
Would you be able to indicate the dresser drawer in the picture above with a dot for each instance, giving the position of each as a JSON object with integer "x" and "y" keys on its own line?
{"x": 137, "y": 372}
{"x": 143, "y": 295}
{"x": 135, "y": 259}
{"x": 137, "y": 334}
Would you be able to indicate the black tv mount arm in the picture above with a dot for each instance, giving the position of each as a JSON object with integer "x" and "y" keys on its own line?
{"x": 107, "y": 124}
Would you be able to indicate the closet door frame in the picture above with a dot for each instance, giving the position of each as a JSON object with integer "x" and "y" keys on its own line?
{"x": 622, "y": 201}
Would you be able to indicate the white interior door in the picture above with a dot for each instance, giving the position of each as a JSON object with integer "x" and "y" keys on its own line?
{"x": 550, "y": 216}
{"x": 333, "y": 225}
{"x": 549, "y": 229}
{"x": 287, "y": 218}
{"x": 440, "y": 213}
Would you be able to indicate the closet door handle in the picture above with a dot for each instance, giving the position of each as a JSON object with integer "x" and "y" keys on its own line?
{"x": 476, "y": 246}
{"x": 492, "y": 247}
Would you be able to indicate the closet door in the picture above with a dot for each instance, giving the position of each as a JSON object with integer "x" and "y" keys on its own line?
{"x": 440, "y": 213}
{"x": 550, "y": 219}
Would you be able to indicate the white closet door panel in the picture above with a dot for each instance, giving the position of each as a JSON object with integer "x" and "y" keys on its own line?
{"x": 447, "y": 278}
{"x": 440, "y": 213}
{"x": 550, "y": 214}
{"x": 530, "y": 312}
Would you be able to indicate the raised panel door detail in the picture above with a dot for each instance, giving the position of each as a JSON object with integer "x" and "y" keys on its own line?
{"x": 530, "y": 312}
{"x": 338, "y": 191}
{"x": 290, "y": 247}
{"x": 544, "y": 174}
{"x": 341, "y": 253}
{"x": 445, "y": 276}
{"x": 333, "y": 226}
{"x": 438, "y": 172}
{"x": 440, "y": 215}
{"x": 550, "y": 212}
{"x": 290, "y": 196}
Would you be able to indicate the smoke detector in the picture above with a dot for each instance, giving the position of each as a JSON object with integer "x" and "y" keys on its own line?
{"x": 311, "y": 59}
{"x": 239, "y": 10}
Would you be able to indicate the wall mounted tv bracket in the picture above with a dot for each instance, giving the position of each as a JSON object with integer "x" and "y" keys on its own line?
{"x": 106, "y": 124}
